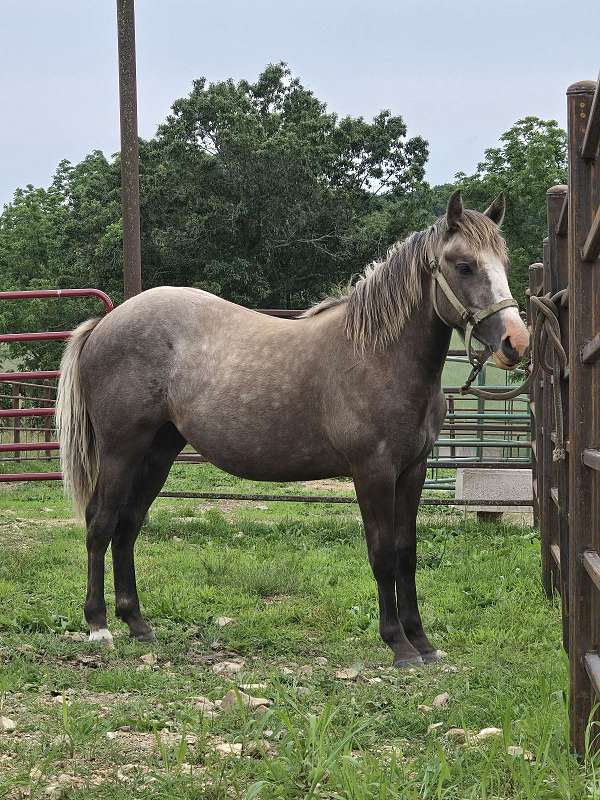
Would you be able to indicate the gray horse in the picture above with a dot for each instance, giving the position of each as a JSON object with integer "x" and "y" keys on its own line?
{"x": 352, "y": 388}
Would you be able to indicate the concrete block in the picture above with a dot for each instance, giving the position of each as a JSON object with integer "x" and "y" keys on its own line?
{"x": 494, "y": 484}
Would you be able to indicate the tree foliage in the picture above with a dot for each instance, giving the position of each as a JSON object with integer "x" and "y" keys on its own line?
{"x": 531, "y": 158}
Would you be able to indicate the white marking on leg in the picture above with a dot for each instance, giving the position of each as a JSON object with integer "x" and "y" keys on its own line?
{"x": 101, "y": 635}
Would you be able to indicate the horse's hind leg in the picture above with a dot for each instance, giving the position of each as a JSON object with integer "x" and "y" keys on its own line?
{"x": 147, "y": 482}
{"x": 127, "y": 485}
{"x": 408, "y": 494}
{"x": 102, "y": 519}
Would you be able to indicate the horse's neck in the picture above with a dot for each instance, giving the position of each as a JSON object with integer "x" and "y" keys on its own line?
{"x": 425, "y": 340}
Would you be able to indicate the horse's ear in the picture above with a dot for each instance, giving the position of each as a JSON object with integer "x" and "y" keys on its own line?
{"x": 455, "y": 210}
{"x": 497, "y": 209}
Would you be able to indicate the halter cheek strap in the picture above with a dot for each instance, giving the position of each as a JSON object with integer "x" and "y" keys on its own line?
{"x": 470, "y": 317}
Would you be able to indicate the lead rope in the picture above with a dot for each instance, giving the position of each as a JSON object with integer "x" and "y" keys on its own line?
{"x": 546, "y": 332}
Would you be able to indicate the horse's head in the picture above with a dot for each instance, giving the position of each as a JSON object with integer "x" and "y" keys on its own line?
{"x": 471, "y": 268}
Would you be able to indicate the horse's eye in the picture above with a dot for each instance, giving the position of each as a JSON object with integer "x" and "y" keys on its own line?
{"x": 464, "y": 268}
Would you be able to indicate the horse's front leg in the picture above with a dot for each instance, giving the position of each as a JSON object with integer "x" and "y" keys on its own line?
{"x": 408, "y": 494}
{"x": 375, "y": 490}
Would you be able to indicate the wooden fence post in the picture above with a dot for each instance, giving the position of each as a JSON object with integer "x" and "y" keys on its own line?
{"x": 558, "y": 258}
{"x": 584, "y": 394}
{"x": 549, "y": 496}
{"x": 536, "y": 275}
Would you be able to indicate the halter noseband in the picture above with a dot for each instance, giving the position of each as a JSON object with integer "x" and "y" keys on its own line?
{"x": 470, "y": 317}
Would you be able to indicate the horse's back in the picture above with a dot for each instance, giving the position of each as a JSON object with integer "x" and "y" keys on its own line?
{"x": 232, "y": 380}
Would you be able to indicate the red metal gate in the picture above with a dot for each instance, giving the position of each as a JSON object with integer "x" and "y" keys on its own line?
{"x": 18, "y": 378}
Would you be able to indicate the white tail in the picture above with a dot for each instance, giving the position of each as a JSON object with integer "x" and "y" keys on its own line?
{"x": 78, "y": 447}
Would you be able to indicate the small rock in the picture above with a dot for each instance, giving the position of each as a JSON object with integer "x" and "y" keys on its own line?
{"x": 149, "y": 658}
{"x": 287, "y": 671}
{"x": 375, "y": 680}
{"x": 112, "y": 735}
{"x": 234, "y": 699}
{"x": 75, "y": 636}
{"x": 441, "y": 701}
{"x": 351, "y": 673}
{"x": 61, "y": 741}
{"x": 177, "y": 539}
{"x": 35, "y": 774}
{"x": 228, "y": 749}
{"x": 62, "y": 786}
{"x": 488, "y": 733}
{"x": 321, "y": 661}
{"x": 222, "y": 621}
{"x": 204, "y": 704}
{"x": 60, "y": 699}
{"x": 306, "y": 670}
{"x": 7, "y": 725}
{"x": 519, "y": 752}
{"x": 228, "y": 667}
{"x": 458, "y": 735}
{"x": 422, "y": 707}
{"x": 262, "y": 508}
{"x": 257, "y": 749}
{"x": 434, "y": 726}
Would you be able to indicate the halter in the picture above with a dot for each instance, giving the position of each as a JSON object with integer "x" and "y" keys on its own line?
{"x": 470, "y": 317}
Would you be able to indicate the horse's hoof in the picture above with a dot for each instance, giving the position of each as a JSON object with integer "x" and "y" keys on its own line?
{"x": 405, "y": 663}
{"x": 102, "y": 636}
{"x": 433, "y": 656}
{"x": 148, "y": 636}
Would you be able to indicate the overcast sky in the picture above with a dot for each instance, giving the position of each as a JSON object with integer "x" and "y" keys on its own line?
{"x": 460, "y": 73}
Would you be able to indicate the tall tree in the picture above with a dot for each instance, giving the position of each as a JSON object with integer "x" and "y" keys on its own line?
{"x": 261, "y": 189}
{"x": 531, "y": 157}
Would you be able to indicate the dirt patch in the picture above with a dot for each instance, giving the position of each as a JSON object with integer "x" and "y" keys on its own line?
{"x": 330, "y": 485}
{"x": 277, "y": 598}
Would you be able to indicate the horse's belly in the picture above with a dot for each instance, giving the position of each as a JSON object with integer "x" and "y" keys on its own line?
{"x": 261, "y": 446}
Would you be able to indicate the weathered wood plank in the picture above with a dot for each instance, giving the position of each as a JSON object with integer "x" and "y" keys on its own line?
{"x": 592, "y": 667}
{"x": 591, "y": 246}
{"x": 563, "y": 221}
{"x": 591, "y": 562}
{"x": 557, "y": 205}
{"x": 591, "y": 138}
{"x": 591, "y": 350}
{"x": 536, "y": 285}
{"x": 591, "y": 458}
{"x": 584, "y": 309}
{"x": 555, "y": 550}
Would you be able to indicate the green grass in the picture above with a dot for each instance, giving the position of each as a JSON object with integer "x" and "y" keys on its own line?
{"x": 296, "y": 581}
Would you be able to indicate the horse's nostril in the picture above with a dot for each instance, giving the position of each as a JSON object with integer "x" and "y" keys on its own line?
{"x": 508, "y": 350}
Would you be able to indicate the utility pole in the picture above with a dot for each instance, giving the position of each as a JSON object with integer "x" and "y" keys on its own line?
{"x": 130, "y": 166}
